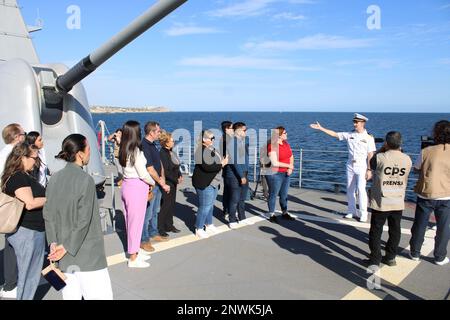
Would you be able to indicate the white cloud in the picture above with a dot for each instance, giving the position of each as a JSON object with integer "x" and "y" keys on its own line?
{"x": 248, "y": 8}
{"x": 182, "y": 30}
{"x": 302, "y": 1}
{"x": 316, "y": 42}
{"x": 379, "y": 63}
{"x": 245, "y": 62}
{"x": 289, "y": 16}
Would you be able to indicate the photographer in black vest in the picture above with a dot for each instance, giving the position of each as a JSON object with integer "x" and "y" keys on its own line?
{"x": 391, "y": 169}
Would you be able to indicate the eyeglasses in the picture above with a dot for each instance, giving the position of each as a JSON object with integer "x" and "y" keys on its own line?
{"x": 357, "y": 121}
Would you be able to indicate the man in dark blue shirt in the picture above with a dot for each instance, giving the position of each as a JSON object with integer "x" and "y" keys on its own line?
{"x": 154, "y": 167}
{"x": 236, "y": 176}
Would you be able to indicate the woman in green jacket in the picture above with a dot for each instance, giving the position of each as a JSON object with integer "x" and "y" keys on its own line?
{"x": 73, "y": 226}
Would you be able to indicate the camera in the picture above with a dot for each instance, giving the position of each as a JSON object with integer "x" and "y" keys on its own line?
{"x": 426, "y": 141}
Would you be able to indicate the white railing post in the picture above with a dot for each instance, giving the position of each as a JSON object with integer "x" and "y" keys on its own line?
{"x": 300, "y": 169}
{"x": 255, "y": 179}
{"x": 113, "y": 206}
{"x": 103, "y": 145}
{"x": 190, "y": 159}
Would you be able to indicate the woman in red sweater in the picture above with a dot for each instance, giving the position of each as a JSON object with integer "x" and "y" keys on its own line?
{"x": 282, "y": 163}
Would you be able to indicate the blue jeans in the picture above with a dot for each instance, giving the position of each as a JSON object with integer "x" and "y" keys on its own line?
{"x": 29, "y": 246}
{"x": 206, "y": 199}
{"x": 278, "y": 186}
{"x": 237, "y": 194}
{"x": 151, "y": 216}
{"x": 441, "y": 210}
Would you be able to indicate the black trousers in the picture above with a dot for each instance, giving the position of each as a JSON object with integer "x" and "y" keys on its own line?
{"x": 225, "y": 199}
{"x": 168, "y": 202}
{"x": 378, "y": 220}
{"x": 10, "y": 271}
{"x": 237, "y": 195}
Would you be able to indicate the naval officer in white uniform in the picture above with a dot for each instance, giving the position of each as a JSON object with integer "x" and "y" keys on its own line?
{"x": 361, "y": 148}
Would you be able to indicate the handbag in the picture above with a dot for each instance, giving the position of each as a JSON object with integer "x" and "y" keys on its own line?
{"x": 54, "y": 276}
{"x": 11, "y": 210}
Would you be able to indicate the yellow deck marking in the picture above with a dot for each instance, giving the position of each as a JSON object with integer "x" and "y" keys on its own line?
{"x": 394, "y": 275}
{"x": 176, "y": 242}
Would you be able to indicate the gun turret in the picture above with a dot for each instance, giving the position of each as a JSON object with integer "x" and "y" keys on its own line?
{"x": 24, "y": 81}
{"x": 88, "y": 65}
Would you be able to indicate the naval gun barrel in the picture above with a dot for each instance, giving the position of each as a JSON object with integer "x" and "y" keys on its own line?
{"x": 86, "y": 66}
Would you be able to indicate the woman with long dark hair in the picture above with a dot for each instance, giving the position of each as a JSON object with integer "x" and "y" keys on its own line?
{"x": 433, "y": 194}
{"x": 29, "y": 239}
{"x": 135, "y": 189}
{"x": 72, "y": 223}
{"x": 40, "y": 172}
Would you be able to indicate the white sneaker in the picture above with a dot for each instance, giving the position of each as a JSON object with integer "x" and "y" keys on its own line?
{"x": 234, "y": 225}
{"x": 363, "y": 218}
{"x": 138, "y": 263}
{"x": 247, "y": 222}
{"x": 267, "y": 215}
{"x": 144, "y": 257}
{"x": 9, "y": 294}
{"x": 348, "y": 216}
{"x": 142, "y": 252}
{"x": 201, "y": 234}
{"x": 443, "y": 262}
{"x": 211, "y": 229}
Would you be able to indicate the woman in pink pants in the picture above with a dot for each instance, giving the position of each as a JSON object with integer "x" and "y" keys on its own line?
{"x": 135, "y": 187}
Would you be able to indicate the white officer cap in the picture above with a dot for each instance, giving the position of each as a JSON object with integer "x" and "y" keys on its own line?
{"x": 360, "y": 117}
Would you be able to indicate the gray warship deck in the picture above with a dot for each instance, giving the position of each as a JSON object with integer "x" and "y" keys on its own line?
{"x": 318, "y": 256}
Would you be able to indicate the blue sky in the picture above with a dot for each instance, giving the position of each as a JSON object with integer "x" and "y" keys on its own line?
{"x": 265, "y": 55}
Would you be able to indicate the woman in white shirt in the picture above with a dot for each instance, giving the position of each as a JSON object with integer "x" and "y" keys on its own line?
{"x": 135, "y": 188}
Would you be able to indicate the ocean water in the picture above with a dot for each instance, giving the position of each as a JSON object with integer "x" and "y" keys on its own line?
{"x": 320, "y": 161}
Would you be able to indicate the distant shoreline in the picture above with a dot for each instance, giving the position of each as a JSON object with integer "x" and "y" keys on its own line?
{"x": 113, "y": 110}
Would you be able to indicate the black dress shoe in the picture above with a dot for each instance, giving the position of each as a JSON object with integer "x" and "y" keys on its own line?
{"x": 174, "y": 230}
{"x": 273, "y": 219}
{"x": 164, "y": 234}
{"x": 287, "y": 216}
{"x": 390, "y": 263}
{"x": 369, "y": 262}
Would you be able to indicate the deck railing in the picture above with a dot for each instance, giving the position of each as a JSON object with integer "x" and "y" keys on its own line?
{"x": 314, "y": 168}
